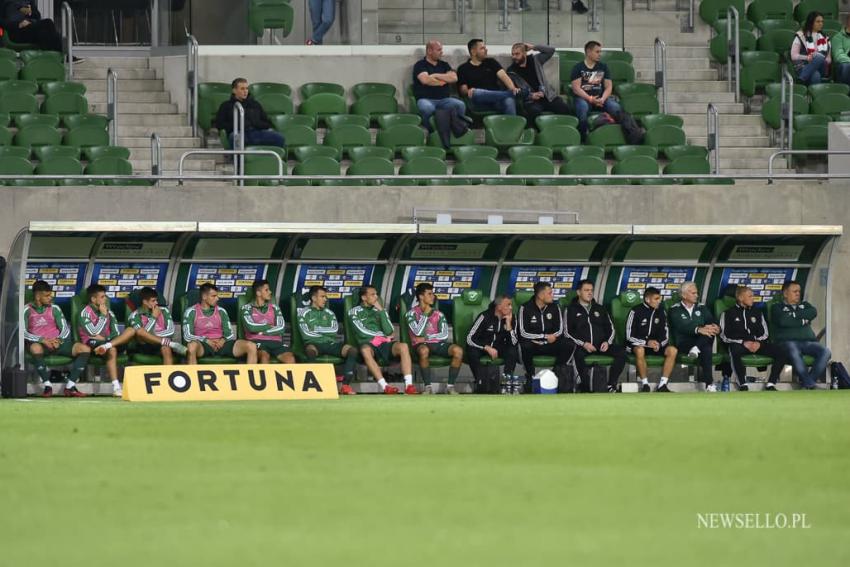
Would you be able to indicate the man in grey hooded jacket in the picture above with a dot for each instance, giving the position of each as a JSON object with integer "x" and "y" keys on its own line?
{"x": 541, "y": 96}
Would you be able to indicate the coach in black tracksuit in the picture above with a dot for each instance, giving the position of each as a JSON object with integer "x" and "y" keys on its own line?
{"x": 589, "y": 326}
{"x": 492, "y": 334}
{"x": 744, "y": 330}
{"x": 541, "y": 330}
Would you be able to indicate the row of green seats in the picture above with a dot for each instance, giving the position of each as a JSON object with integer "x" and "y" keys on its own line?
{"x": 40, "y": 70}
{"x": 712, "y": 10}
{"x": 44, "y": 153}
{"x": 65, "y": 165}
{"x": 43, "y": 135}
{"x": 60, "y": 103}
{"x": 66, "y": 121}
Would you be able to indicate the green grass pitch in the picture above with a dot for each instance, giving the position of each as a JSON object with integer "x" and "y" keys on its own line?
{"x": 609, "y": 480}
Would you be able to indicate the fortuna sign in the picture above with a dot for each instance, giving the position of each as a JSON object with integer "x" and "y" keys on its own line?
{"x": 211, "y": 382}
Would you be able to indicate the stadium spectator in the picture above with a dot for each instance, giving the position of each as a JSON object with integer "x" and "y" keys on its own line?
{"x": 810, "y": 51}
{"x": 744, "y": 329}
{"x": 429, "y": 335}
{"x": 258, "y": 127}
{"x": 792, "y": 323}
{"x": 319, "y": 328}
{"x": 24, "y": 24}
{"x": 541, "y": 331}
{"x": 264, "y": 325}
{"x": 481, "y": 79}
{"x": 373, "y": 332}
{"x": 840, "y": 43}
{"x": 592, "y": 86}
{"x": 47, "y": 334}
{"x": 431, "y": 79}
{"x": 208, "y": 332}
{"x": 154, "y": 328}
{"x": 99, "y": 330}
{"x": 322, "y": 14}
{"x": 588, "y": 324}
{"x": 541, "y": 97}
{"x": 578, "y": 6}
{"x": 694, "y": 328}
{"x": 492, "y": 334}
{"x": 647, "y": 334}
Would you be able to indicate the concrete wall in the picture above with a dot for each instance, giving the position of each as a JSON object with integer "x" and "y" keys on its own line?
{"x": 785, "y": 203}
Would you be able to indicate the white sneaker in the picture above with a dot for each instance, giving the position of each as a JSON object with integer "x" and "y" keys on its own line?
{"x": 117, "y": 392}
{"x": 694, "y": 352}
{"x": 450, "y": 389}
{"x": 711, "y": 388}
{"x": 427, "y": 391}
{"x": 178, "y": 348}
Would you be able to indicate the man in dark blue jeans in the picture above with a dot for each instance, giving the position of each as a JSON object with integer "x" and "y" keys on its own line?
{"x": 258, "y": 127}
{"x": 592, "y": 86}
{"x": 481, "y": 80}
{"x": 431, "y": 79}
{"x": 792, "y": 322}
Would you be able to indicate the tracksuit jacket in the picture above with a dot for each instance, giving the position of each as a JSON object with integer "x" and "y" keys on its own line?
{"x": 646, "y": 324}
{"x": 588, "y": 324}
{"x": 534, "y": 323}
{"x": 489, "y": 330}
{"x": 739, "y": 324}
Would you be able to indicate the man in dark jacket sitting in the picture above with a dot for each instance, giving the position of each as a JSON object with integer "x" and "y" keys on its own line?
{"x": 258, "y": 127}
{"x": 24, "y": 24}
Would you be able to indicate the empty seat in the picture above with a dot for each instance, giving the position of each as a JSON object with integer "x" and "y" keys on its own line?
{"x": 210, "y": 98}
{"x": 315, "y": 166}
{"x": 38, "y": 135}
{"x": 346, "y": 137}
{"x": 44, "y": 153}
{"x": 663, "y": 136}
{"x": 573, "y": 152}
{"x": 547, "y": 120}
{"x": 361, "y": 152}
{"x": 616, "y": 55}
{"x": 72, "y": 121}
{"x": 17, "y": 151}
{"x": 693, "y": 165}
{"x": 534, "y": 167}
{"x": 652, "y": 120}
{"x": 65, "y": 103}
{"x": 275, "y": 103}
{"x": 303, "y": 153}
{"x": 828, "y": 88}
{"x": 426, "y": 167}
{"x": 518, "y": 152}
{"x": 61, "y": 165}
{"x": 640, "y": 104}
{"x": 374, "y": 105}
{"x": 624, "y": 152}
{"x": 309, "y": 90}
{"x": 42, "y": 70}
{"x": 718, "y": 46}
{"x": 759, "y": 10}
{"x": 322, "y": 105}
{"x": 24, "y": 120}
{"x": 55, "y": 87}
{"x": 480, "y": 165}
{"x": 831, "y": 105}
{"x": 639, "y": 165}
{"x": 282, "y": 121}
{"x": 387, "y": 120}
{"x": 804, "y": 120}
{"x": 373, "y": 166}
{"x": 770, "y": 110}
{"x": 558, "y": 136}
{"x": 263, "y": 164}
{"x": 28, "y": 55}
{"x": 608, "y": 136}
{"x": 463, "y": 153}
{"x": 829, "y": 9}
{"x": 584, "y": 165}
{"x": 92, "y": 153}
{"x": 8, "y": 70}
{"x": 337, "y": 120}
{"x": 401, "y": 135}
{"x": 504, "y": 131}
{"x": 27, "y": 87}
{"x": 17, "y": 166}
{"x": 364, "y": 89}
{"x": 86, "y": 136}
{"x": 263, "y": 15}
{"x": 633, "y": 89}
{"x": 18, "y": 103}
{"x": 684, "y": 150}
{"x": 297, "y": 135}
{"x": 259, "y": 89}
{"x": 712, "y": 10}
{"x": 467, "y": 139}
{"x": 774, "y": 90}
{"x": 412, "y": 152}
{"x": 621, "y": 72}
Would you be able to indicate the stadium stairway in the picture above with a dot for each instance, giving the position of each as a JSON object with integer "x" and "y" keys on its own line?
{"x": 144, "y": 107}
{"x": 692, "y": 81}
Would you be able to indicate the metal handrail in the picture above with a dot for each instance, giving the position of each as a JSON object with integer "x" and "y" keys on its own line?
{"x": 112, "y": 105}
{"x": 791, "y": 153}
{"x": 156, "y": 155}
{"x": 691, "y": 10}
{"x": 236, "y": 154}
{"x": 192, "y": 61}
{"x": 504, "y": 17}
{"x": 712, "y": 133}
{"x": 239, "y": 137}
{"x": 660, "y": 53}
{"x": 786, "y": 113}
{"x": 462, "y": 16}
{"x": 733, "y": 48}
{"x": 593, "y": 24}
{"x": 68, "y": 37}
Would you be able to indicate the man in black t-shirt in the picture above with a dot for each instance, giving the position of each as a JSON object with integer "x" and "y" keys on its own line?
{"x": 431, "y": 79}
{"x": 592, "y": 86}
{"x": 541, "y": 96}
{"x": 481, "y": 79}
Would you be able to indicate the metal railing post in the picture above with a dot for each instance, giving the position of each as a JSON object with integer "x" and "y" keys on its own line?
{"x": 192, "y": 60}
{"x": 504, "y": 18}
{"x": 156, "y": 155}
{"x": 593, "y": 16}
{"x": 236, "y": 153}
{"x": 660, "y": 54}
{"x": 462, "y": 16}
{"x": 68, "y": 37}
{"x": 733, "y": 51}
{"x": 691, "y": 10}
{"x": 786, "y": 114}
{"x": 712, "y": 132}
{"x": 155, "y": 23}
{"x": 112, "y": 105}
{"x": 239, "y": 139}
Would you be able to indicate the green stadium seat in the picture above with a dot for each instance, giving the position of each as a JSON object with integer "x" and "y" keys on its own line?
{"x": 388, "y": 120}
{"x": 346, "y": 137}
{"x": 760, "y": 10}
{"x": 297, "y": 135}
{"x": 400, "y": 136}
{"x": 18, "y": 103}
{"x": 503, "y": 131}
{"x": 624, "y": 152}
{"x": 8, "y": 43}
{"x": 114, "y": 166}
{"x": 755, "y": 57}
{"x": 18, "y": 86}
{"x": 210, "y": 98}
{"x": 828, "y": 88}
{"x": 774, "y": 90}
{"x": 721, "y": 25}
{"x": 263, "y": 15}
{"x": 85, "y": 136}
{"x": 29, "y": 55}
{"x": 65, "y": 103}
{"x": 693, "y": 165}
{"x": 61, "y": 166}
{"x": 275, "y": 103}
{"x": 558, "y": 136}
{"x": 358, "y": 153}
{"x": 5, "y": 118}
{"x": 608, "y": 136}
{"x": 373, "y": 166}
{"x": 281, "y": 122}
{"x": 303, "y": 153}
{"x": 465, "y": 310}
{"x": 718, "y": 46}
{"x": 315, "y": 165}
{"x": 777, "y": 41}
{"x": 831, "y": 105}
{"x": 771, "y": 114}
{"x": 770, "y": 24}
{"x": 663, "y": 136}
{"x": 413, "y": 152}
{"x": 5, "y": 136}
{"x": 635, "y": 89}
{"x": 38, "y": 135}
{"x": 811, "y": 138}
{"x": 323, "y": 105}
{"x": 609, "y": 55}
{"x": 480, "y": 165}
{"x": 755, "y": 77}
{"x": 261, "y": 89}
{"x": 63, "y": 87}
{"x": 6, "y": 53}
{"x": 712, "y": 10}
{"x": 584, "y": 165}
{"x": 804, "y": 120}
{"x": 24, "y": 120}
{"x": 309, "y": 90}
{"x": 425, "y": 167}
{"x": 640, "y": 165}
{"x": 360, "y": 90}
{"x": 684, "y": 150}
{"x": 91, "y": 153}
{"x": 829, "y": 9}
{"x": 17, "y": 166}
{"x": 533, "y": 166}
{"x": 8, "y": 70}
{"x": 518, "y": 152}
{"x": 374, "y": 105}
{"x": 45, "y": 153}
{"x": 831, "y": 27}
{"x": 42, "y": 70}
{"x": 640, "y": 105}
{"x": 18, "y": 152}
{"x": 72, "y": 121}
{"x": 454, "y": 142}
{"x": 545, "y": 121}
{"x": 462, "y": 153}
{"x": 263, "y": 164}
{"x": 621, "y": 72}
{"x": 336, "y": 120}
{"x": 573, "y": 152}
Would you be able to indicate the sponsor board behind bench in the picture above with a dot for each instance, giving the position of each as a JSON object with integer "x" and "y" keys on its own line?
{"x": 213, "y": 382}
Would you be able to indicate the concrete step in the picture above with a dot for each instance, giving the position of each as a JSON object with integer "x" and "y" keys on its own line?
{"x": 752, "y": 153}
{"x": 743, "y": 120}
{"x": 123, "y": 74}
{"x": 697, "y": 96}
{"x": 733, "y": 143}
{"x": 130, "y": 96}
{"x": 168, "y": 154}
{"x": 699, "y": 74}
{"x": 678, "y": 51}
{"x": 648, "y": 63}
{"x": 751, "y": 164}
{"x": 143, "y": 108}
{"x": 163, "y": 131}
{"x": 167, "y": 142}
{"x": 727, "y": 132}
{"x": 744, "y": 171}
{"x": 143, "y": 165}
{"x": 114, "y": 62}
{"x": 697, "y": 86}
{"x": 151, "y": 120}
{"x": 700, "y": 107}
{"x": 125, "y": 85}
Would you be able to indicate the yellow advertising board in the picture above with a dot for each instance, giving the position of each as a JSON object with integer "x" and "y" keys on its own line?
{"x": 220, "y": 382}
